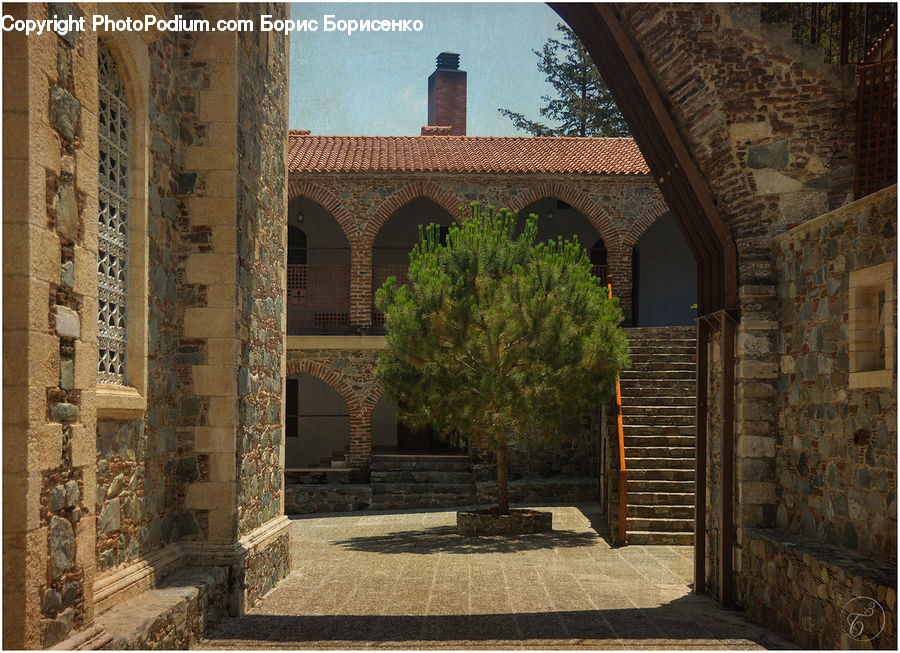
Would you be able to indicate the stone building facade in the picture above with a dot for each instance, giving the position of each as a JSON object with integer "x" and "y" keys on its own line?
{"x": 173, "y": 460}
{"x": 108, "y": 489}
{"x": 602, "y": 183}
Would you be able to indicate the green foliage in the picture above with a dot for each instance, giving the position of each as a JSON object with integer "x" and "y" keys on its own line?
{"x": 496, "y": 336}
{"x": 583, "y": 105}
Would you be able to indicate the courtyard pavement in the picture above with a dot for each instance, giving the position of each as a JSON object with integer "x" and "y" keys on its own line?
{"x": 372, "y": 580}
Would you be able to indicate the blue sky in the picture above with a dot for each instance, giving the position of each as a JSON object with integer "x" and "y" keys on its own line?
{"x": 376, "y": 83}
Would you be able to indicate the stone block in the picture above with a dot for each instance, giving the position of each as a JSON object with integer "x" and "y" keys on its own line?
{"x": 68, "y": 324}
{"x": 65, "y": 111}
{"x": 772, "y": 155}
{"x": 63, "y": 412}
{"x": 62, "y": 546}
{"x": 67, "y": 374}
{"x": 110, "y": 517}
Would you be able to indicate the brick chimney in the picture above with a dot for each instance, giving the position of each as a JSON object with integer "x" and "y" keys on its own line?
{"x": 447, "y": 97}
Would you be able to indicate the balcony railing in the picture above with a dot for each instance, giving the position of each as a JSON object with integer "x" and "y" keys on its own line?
{"x": 318, "y": 299}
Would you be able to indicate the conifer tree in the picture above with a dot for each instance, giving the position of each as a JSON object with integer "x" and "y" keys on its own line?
{"x": 583, "y": 105}
{"x": 497, "y": 338}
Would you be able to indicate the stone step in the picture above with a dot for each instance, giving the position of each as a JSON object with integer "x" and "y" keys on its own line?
{"x": 405, "y": 501}
{"x": 658, "y": 399}
{"x": 669, "y": 525}
{"x": 638, "y": 388}
{"x": 651, "y": 452}
{"x": 657, "y": 420}
{"x": 659, "y": 463}
{"x": 660, "y": 498}
{"x": 657, "y": 375}
{"x": 316, "y": 475}
{"x": 686, "y": 410}
{"x": 421, "y": 465}
{"x": 655, "y": 537}
{"x": 421, "y": 488}
{"x": 657, "y": 511}
{"x": 657, "y": 486}
{"x": 660, "y": 474}
{"x": 414, "y": 476}
{"x": 657, "y": 429}
{"x": 659, "y": 440}
{"x": 674, "y": 364}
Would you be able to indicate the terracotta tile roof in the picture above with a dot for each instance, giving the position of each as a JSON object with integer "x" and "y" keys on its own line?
{"x": 611, "y": 156}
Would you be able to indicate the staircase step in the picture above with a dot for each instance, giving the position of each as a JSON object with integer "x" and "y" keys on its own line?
{"x": 657, "y": 511}
{"x": 661, "y": 498}
{"x": 658, "y": 486}
{"x": 653, "y": 452}
{"x": 415, "y": 476}
{"x": 423, "y": 465}
{"x": 672, "y": 525}
{"x": 657, "y": 429}
{"x": 660, "y": 474}
{"x": 652, "y": 422}
{"x": 653, "y": 537}
{"x": 660, "y": 440}
{"x": 421, "y": 488}
{"x": 684, "y": 409}
{"x": 405, "y": 501}
{"x": 636, "y": 463}
{"x": 658, "y": 399}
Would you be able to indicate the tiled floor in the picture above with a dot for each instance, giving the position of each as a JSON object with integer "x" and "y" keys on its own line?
{"x": 407, "y": 580}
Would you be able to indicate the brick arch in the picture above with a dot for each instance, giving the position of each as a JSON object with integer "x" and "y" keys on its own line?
{"x": 440, "y": 196}
{"x": 327, "y": 200}
{"x": 651, "y": 214}
{"x": 579, "y": 200}
{"x": 332, "y": 379}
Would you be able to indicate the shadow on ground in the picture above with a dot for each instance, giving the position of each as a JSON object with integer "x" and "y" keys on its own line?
{"x": 445, "y": 539}
{"x": 681, "y": 623}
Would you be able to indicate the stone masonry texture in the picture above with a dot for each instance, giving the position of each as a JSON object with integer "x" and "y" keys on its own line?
{"x": 837, "y": 446}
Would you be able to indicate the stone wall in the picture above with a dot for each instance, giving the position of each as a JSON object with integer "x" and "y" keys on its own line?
{"x": 836, "y": 458}
{"x": 620, "y": 208}
{"x": 139, "y": 507}
{"x": 800, "y": 589}
{"x": 262, "y": 242}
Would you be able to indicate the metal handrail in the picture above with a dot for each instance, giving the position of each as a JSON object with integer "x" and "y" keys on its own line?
{"x": 623, "y": 470}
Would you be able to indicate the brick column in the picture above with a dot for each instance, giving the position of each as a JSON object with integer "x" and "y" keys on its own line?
{"x": 361, "y": 286}
{"x": 619, "y": 260}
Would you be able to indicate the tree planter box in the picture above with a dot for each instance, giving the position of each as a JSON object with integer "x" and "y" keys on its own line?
{"x": 517, "y": 522}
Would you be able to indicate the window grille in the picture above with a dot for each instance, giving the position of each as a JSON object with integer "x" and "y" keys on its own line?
{"x": 112, "y": 245}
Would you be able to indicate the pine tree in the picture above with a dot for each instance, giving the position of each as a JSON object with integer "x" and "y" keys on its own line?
{"x": 496, "y": 337}
{"x": 583, "y": 105}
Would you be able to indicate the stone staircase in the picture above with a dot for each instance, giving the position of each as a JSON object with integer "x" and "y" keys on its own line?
{"x": 401, "y": 481}
{"x": 658, "y": 403}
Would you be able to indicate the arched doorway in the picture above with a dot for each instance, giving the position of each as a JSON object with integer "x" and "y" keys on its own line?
{"x": 395, "y": 240}
{"x": 317, "y": 424}
{"x": 665, "y": 277}
{"x": 318, "y": 271}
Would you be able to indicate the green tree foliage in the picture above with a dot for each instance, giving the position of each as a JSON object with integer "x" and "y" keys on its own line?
{"x": 497, "y": 337}
{"x": 583, "y": 105}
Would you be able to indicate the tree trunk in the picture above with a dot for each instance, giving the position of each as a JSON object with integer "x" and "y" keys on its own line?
{"x": 502, "y": 489}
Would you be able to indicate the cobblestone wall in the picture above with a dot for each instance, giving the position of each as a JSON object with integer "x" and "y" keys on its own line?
{"x": 837, "y": 447}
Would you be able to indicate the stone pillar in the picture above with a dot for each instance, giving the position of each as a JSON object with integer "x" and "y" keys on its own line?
{"x": 50, "y": 345}
{"x": 619, "y": 258}
{"x": 361, "y": 291}
{"x": 240, "y": 193}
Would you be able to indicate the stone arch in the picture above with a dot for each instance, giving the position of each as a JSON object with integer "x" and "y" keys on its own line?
{"x": 329, "y": 377}
{"x": 654, "y": 211}
{"x": 685, "y": 189}
{"x": 579, "y": 200}
{"x": 327, "y": 200}
{"x": 440, "y": 196}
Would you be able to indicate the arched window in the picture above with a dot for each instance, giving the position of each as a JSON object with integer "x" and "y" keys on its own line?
{"x": 112, "y": 241}
{"x": 296, "y": 246}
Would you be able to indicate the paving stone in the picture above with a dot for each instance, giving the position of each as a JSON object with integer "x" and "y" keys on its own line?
{"x": 407, "y": 580}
